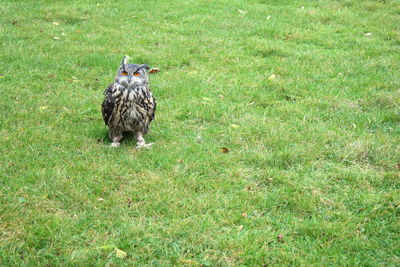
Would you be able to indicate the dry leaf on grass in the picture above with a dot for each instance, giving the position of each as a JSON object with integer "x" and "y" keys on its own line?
{"x": 120, "y": 253}
{"x": 280, "y": 238}
{"x": 154, "y": 70}
{"x": 189, "y": 262}
{"x": 224, "y": 150}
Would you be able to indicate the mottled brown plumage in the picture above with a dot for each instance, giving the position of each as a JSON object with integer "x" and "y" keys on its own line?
{"x": 129, "y": 105}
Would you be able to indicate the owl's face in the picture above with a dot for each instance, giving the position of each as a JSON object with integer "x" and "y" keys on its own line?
{"x": 131, "y": 74}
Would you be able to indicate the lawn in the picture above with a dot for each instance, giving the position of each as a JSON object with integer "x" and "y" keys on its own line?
{"x": 277, "y": 134}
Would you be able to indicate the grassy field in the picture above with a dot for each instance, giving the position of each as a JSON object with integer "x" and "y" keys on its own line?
{"x": 277, "y": 134}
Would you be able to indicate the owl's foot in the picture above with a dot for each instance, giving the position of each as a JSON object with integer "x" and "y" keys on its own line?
{"x": 148, "y": 145}
{"x": 141, "y": 143}
{"x": 115, "y": 144}
{"x": 115, "y": 137}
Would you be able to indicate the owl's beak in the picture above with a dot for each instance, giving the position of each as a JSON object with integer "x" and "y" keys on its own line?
{"x": 129, "y": 78}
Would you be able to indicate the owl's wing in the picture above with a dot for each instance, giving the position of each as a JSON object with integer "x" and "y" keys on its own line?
{"x": 108, "y": 105}
{"x": 148, "y": 104}
{"x": 151, "y": 106}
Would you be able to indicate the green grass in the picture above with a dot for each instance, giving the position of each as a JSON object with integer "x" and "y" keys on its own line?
{"x": 312, "y": 176}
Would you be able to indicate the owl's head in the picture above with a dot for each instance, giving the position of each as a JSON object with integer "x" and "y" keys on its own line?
{"x": 131, "y": 74}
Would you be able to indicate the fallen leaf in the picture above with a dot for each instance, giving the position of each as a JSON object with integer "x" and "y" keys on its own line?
{"x": 268, "y": 18}
{"x": 368, "y": 34}
{"x": 120, "y": 253}
{"x": 240, "y": 227}
{"x": 221, "y": 96}
{"x": 154, "y": 70}
{"x": 242, "y": 11}
{"x": 234, "y": 126}
{"x": 51, "y": 75}
{"x": 107, "y": 247}
{"x": 206, "y": 99}
{"x": 43, "y": 107}
{"x": 189, "y": 262}
{"x": 56, "y": 38}
{"x": 224, "y": 150}
{"x": 272, "y": 77}
{"x": 56, "y": 23}
{"x": 100, "y": 199}
{"x": 244, "y": 214}
{"x": 63, "y": 34}
{"x": 280, "y": 238}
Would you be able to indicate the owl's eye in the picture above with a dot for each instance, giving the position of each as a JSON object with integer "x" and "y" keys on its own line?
{"x": 136, "y": 74}
{"x": 124, "y": 73}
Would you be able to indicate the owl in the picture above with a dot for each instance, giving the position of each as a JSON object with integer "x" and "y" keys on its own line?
{"x": 129, "y": 105}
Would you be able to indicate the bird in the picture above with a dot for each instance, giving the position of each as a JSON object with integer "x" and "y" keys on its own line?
{"x": 129, "y": 105}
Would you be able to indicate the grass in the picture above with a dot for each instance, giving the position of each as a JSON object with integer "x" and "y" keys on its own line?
{"x": 304, "y": 96}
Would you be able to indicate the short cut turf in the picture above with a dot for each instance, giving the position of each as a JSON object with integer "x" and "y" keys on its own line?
{"x": 277, "y": 134}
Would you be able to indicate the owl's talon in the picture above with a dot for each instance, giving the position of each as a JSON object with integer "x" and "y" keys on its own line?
{"x": 115, "y": 144}
{"x": 148, "y": 145}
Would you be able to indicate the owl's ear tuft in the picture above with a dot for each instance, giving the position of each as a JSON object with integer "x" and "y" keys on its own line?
{"x": 144, "y": 66}
{"x": 125, "y": 60}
